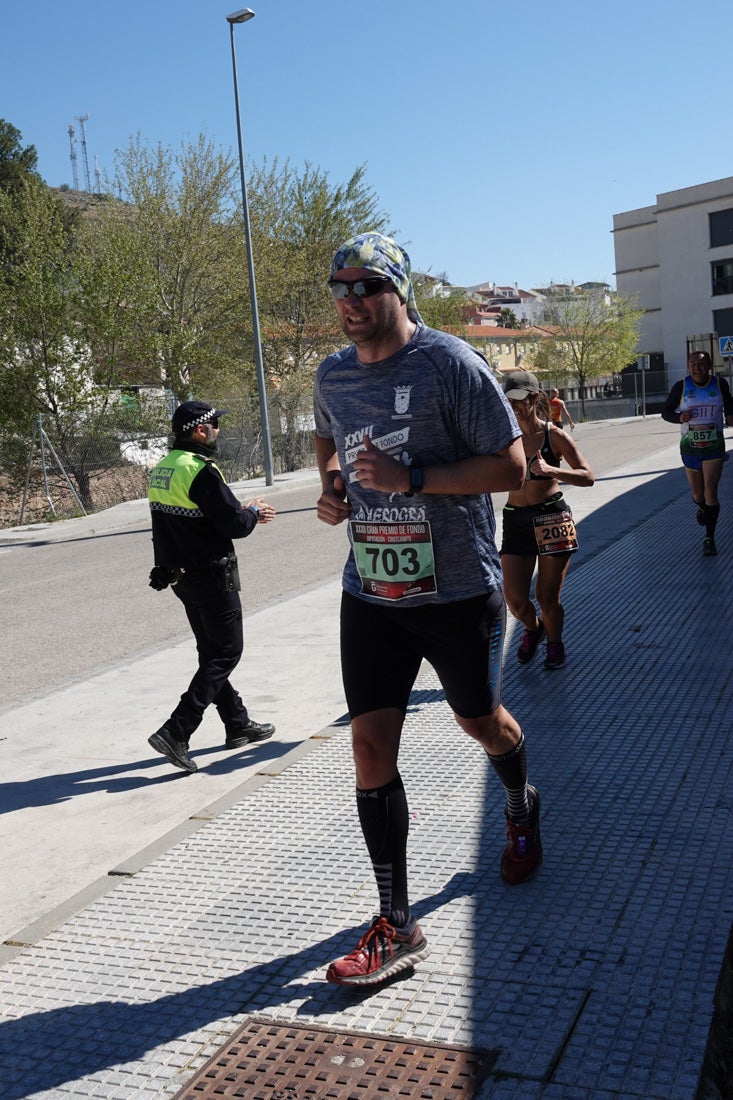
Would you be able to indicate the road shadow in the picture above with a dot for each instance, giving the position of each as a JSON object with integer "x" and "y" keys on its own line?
{"x": 34, "y": 544}
{"x": 626, "y": 513}
{"x": 634, "y": 772}
{"x": 51, "y": 790}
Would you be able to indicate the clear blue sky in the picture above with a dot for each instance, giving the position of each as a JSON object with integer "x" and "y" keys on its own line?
{"x": 500, "y": 139}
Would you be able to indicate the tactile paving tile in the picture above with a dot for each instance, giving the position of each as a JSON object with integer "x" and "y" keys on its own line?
{"x": 594, "y": 981}
{"x": 269, "y": 1061}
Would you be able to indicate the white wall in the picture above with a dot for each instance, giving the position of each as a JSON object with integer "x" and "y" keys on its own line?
{"x": 663, "y": 259}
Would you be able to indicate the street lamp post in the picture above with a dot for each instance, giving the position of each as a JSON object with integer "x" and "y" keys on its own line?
{"x": 241, "y": 17}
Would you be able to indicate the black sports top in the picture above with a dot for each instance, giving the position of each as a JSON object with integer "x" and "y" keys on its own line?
{"x": 547, "y": 453}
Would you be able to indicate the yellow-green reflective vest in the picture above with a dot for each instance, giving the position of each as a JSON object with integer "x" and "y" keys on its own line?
{"x": 171, "y": 480}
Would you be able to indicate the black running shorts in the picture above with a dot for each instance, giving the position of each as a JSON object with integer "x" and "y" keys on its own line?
{"x": 517, "y": 526}
{"x": 382, "y": 647}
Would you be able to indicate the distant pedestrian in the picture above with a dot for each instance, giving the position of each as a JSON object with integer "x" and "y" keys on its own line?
{"x": 558, "y": 410}
{"x": 412, "y": 436}
{"x": 195, "y": 516}
{"x": 537, "y": 523}
{"x": 702, "y": 405}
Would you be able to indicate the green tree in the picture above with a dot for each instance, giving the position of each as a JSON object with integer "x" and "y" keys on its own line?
{"x": 17, "y": 167}
{"x": 16, "y": 162}
{"x": 114, "y": 288}
{"x": 587, "y": 337}
{"x": 442, "y": 310}
{"x": 36, "y": 318}
{"x": 192, "y": 254}
{"x": 64, "y": 319}
{"x": 508, "y": 318}
{"x": 298, "y": 220}
{"x": 44, "y": 365}
{"x": 152, "y": 288}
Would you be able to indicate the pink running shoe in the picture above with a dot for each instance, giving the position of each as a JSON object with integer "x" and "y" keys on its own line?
{"x": 529, "y": 642}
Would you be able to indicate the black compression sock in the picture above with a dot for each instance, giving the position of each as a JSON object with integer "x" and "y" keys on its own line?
{"x": 512, "y": 771}
{"x": 384, "y": 820}
{"x": 712, "y": 511}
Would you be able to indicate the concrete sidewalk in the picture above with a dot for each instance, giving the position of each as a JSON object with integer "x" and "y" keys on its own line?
{"x": 76, "y": 805}
{"x": 595, "y": 980}
{"x": 130, "y": 512}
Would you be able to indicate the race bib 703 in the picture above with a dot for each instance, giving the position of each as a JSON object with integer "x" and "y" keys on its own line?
{"x": 394, "y": 560}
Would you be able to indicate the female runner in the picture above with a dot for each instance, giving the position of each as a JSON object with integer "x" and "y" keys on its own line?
{"x": 702, "y": 405}
{"x": 538, "y": 524}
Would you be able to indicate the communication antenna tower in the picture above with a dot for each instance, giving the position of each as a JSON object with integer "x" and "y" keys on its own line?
{"x": 72, "y": 143}
{"x": 81, "y": 119}
{"x": 97, "y": 174}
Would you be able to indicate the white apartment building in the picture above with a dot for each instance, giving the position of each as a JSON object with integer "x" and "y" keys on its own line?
{"x": 676, "y": 259}
{"x": 526, "y": 305}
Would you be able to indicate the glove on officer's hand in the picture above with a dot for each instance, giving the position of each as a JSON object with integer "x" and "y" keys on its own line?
{"x": 160, "y": 577}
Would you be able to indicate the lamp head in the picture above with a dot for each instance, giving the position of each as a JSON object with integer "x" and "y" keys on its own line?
{"x": 240, "y": 16}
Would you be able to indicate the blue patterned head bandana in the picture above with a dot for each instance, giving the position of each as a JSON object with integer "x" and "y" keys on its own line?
{"x": 375, "y": 252}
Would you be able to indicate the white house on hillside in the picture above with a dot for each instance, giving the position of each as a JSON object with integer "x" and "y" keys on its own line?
{"x": 525, "y": 304}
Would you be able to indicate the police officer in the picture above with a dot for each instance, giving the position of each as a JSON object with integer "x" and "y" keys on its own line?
{"x": 195, "y": 516}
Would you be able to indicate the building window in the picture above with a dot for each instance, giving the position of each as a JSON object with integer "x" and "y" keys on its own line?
{"x": 721, "y": 228}
{"x": 723, "y": 322}
{"x": 722, "y": 277}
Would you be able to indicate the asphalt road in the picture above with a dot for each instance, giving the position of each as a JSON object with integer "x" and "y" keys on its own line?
{"x": 73, "y": 603}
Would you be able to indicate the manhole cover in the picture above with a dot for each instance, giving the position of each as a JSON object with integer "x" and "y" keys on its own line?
{"x": 271, "y": 1061}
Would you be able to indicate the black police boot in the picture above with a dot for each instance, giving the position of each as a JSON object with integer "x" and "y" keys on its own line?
{"x": 173, "y": 750}
{"x": 249, "y": 732}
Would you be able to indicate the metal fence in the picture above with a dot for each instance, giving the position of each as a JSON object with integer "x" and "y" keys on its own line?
{"x": 635, "y": 393}
{"x": 42, "y": 481}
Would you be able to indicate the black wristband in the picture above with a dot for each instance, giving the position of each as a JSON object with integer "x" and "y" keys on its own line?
{"x": 416, "y": 481}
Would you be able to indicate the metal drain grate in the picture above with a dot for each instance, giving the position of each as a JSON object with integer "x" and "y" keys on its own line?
{"x": 271, "y": 1061}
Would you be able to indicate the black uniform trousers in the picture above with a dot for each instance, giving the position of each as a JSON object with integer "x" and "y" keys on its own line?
{"x": 216, "y": 621}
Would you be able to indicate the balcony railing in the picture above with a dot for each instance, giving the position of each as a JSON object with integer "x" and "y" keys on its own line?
{"x": 722, "y": 284}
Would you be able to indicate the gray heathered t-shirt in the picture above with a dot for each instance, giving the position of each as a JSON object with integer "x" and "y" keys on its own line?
{"x": 433, "y": 402}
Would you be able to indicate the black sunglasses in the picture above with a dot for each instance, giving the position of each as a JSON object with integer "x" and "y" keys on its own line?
{"x": 362, "y": 288}
{"x": 214, "y": 422}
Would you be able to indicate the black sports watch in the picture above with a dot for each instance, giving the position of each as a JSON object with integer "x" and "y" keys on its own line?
{"x": 416, "y": 481}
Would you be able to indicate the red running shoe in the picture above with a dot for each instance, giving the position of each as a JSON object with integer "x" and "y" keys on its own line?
{"x": 523, "y": 853}
{"x": 381, "y": 952}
